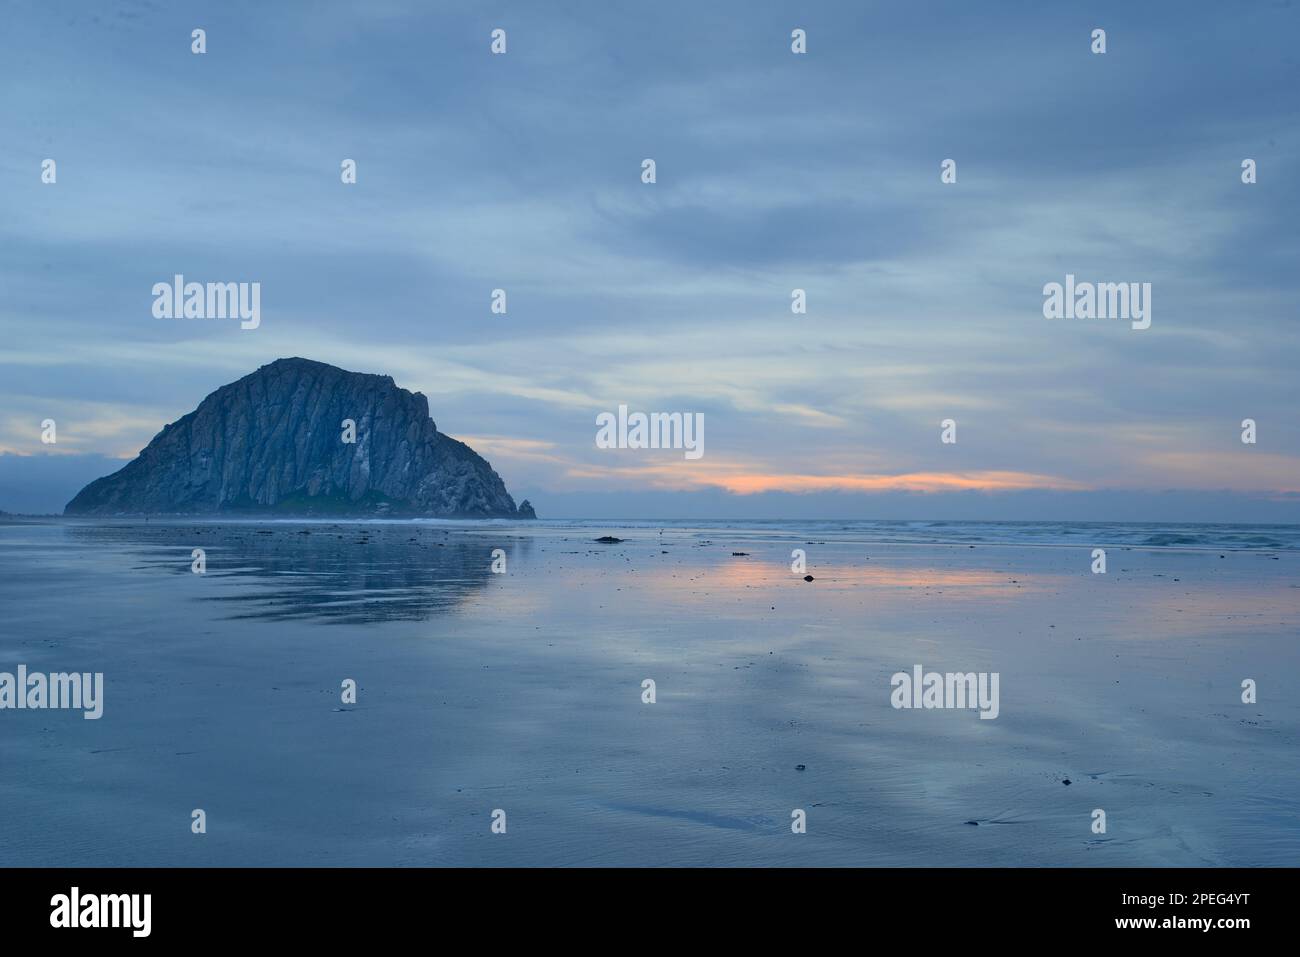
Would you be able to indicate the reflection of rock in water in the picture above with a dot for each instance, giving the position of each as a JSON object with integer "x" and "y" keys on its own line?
{"x": 346, "y": 573}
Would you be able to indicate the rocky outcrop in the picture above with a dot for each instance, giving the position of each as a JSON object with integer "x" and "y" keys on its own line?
{"x": 275, "y": 442}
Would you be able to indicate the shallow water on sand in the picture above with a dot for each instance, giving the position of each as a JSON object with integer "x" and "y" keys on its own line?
{"x": 522, "y": 691}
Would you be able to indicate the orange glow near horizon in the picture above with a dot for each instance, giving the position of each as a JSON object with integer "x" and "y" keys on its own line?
{"x": 741, "y": 482}
{"x": 992, "y": 481}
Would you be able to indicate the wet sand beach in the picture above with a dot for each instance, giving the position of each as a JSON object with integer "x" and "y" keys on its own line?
{"x": 522, "y": 691}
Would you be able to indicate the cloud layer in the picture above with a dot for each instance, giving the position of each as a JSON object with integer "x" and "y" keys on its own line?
{"x": 775, "y": 172}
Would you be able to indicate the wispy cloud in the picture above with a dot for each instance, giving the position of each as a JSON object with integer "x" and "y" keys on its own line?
{"x": 775, "y": 172}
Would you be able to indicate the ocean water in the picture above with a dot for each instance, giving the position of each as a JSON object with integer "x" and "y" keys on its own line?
{"x": 1092, "y": 534}
{"x": 522, "y": 692}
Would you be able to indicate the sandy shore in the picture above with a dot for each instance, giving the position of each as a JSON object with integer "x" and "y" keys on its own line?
{"x": 523, "y": 691}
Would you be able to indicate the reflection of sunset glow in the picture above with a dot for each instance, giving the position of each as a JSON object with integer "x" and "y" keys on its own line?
{"x": 1236, "y": 608}
{"x": 739, "y": 575}
{"x": 1144, "y": 608}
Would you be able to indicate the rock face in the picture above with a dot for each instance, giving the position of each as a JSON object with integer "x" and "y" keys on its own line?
{"x": 274, "y": 442}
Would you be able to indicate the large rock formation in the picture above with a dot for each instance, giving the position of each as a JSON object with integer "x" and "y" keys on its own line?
{"x": 274, "y": 442}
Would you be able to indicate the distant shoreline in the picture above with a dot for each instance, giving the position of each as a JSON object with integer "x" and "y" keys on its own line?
{"x": 1187, "y": 536}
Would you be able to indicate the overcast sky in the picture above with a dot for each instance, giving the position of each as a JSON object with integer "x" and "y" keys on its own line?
{"x": 775, "y": 171}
